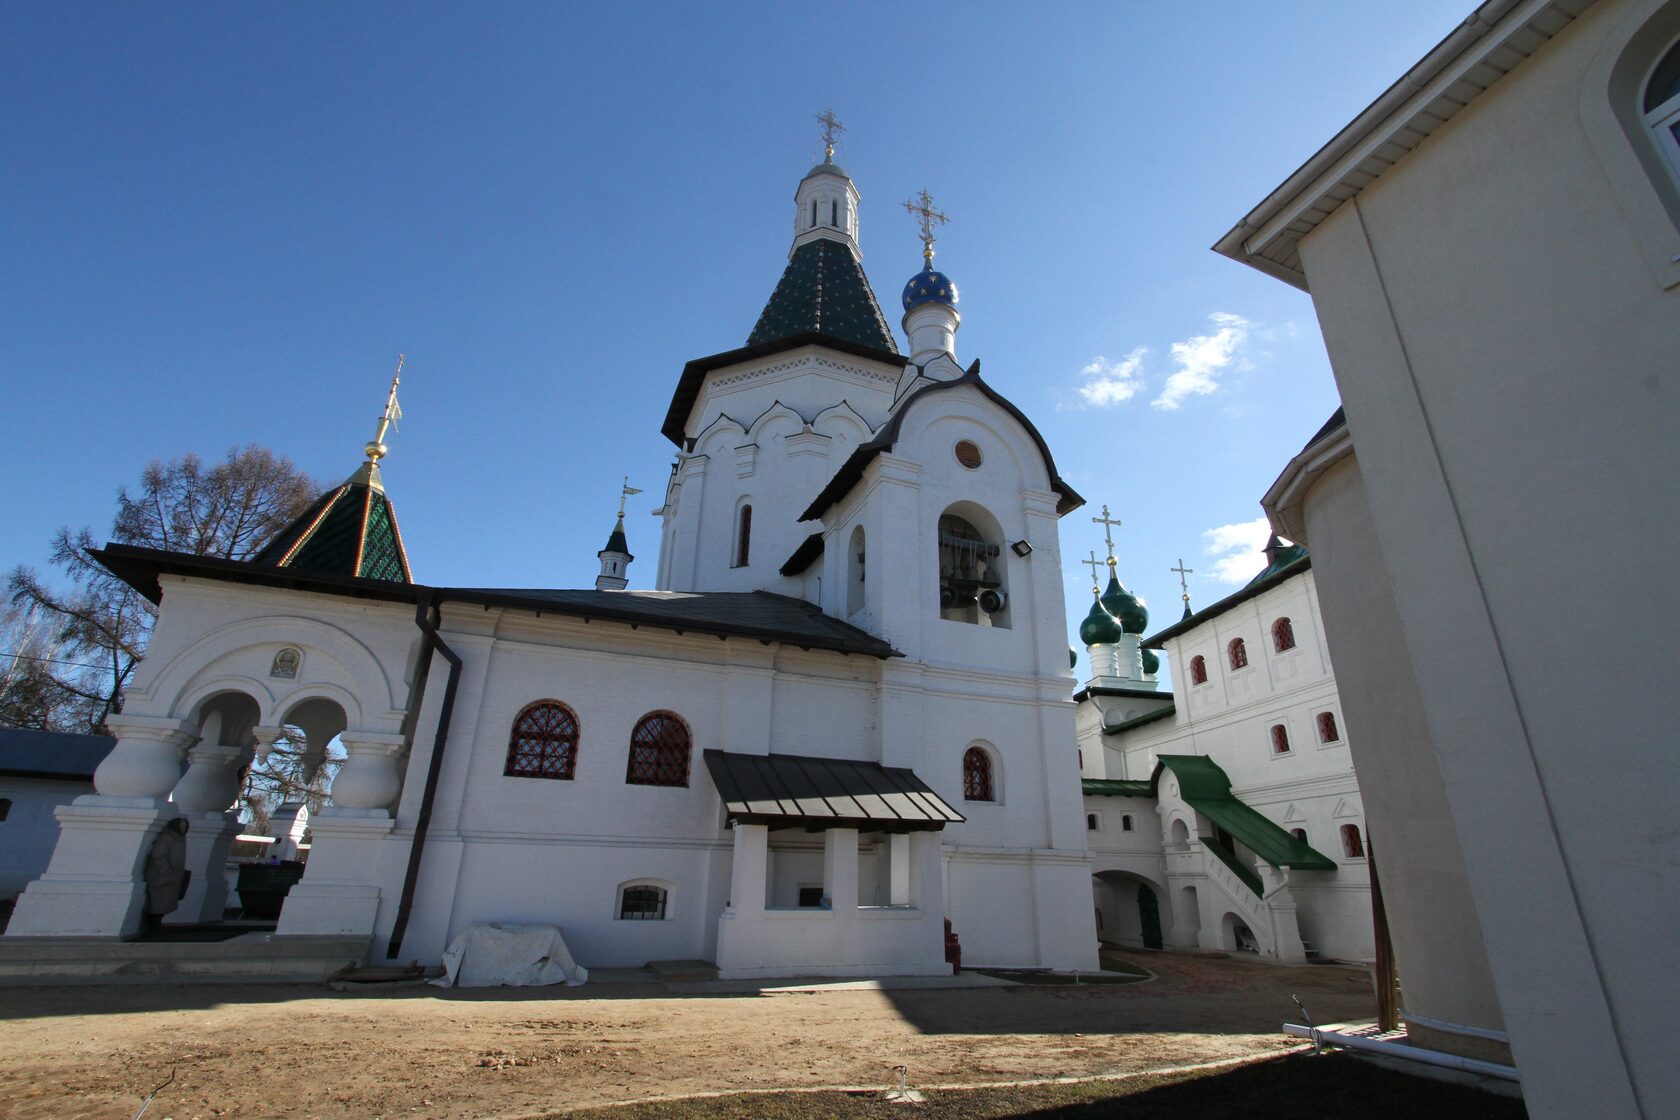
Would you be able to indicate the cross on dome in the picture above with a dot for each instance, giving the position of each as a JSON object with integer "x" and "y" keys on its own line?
{"x": 1109, "y": 524}
{"x": 375, "y": 448}
{"x": 928, "y": 219}
{"x": 831, "y": 130}
{"x": 1094, "y": 564}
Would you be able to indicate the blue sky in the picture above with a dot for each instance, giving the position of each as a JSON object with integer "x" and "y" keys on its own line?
{"x": 220, "y": 223}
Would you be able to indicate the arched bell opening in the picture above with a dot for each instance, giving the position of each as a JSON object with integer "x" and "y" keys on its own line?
{"x": 973, "y": 567}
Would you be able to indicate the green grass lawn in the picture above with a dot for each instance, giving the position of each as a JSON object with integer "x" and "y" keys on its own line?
{"x": 1294, "y": 1087}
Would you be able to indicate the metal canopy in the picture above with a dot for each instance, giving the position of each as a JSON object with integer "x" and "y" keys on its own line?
{"x": 780, "y": 790}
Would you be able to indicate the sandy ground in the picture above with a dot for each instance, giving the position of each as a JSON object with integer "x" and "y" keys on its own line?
{"x": 297, "y": 1051}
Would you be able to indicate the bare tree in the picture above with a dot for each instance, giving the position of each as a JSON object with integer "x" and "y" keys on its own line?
{"x": 99, "y": 626}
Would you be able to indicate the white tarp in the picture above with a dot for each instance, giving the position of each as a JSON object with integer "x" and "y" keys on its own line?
{"x": 488, "y": 955}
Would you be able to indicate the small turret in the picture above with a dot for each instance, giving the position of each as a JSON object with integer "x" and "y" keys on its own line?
{"x": 616, "y": 558}
{"x": 930, "y": 300}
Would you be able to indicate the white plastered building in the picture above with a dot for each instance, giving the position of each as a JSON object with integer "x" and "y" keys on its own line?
{"x": 1223, "y": 815}
{"x": 841, "y": 719}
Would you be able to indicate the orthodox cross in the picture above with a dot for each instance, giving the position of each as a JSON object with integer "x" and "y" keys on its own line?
{"x": 1183, "y": 584}
{"x": 1108, "y": 523}
{"x": 393, "y": 412}
{"x": 928, "y": 218}
{"x": 831, "y": 129}
{"x": 624, "y": 493}
{"x": 1093, "y": 563}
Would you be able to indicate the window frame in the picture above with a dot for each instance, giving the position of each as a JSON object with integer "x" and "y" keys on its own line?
{"x": 741, "y": 548}
{"x": 1282, "y": 630}
{"x": 1319, "y": 719}
{"x": 1198, "y": 671}
{"x": 1236, "y": 654}
{"x": 567, "y": 770}
{"x": 1353, "y": 841}
{"x": 973, "y": 789}
{"x": 687, "y": 747}
{"x": 1279, "y": 734}
{"x": 664, "y": 898}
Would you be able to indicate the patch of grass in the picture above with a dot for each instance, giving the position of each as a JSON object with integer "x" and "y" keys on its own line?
{"x": 1296, "y": 1086}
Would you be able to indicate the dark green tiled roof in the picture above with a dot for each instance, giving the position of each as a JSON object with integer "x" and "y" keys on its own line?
{"x": 1116, "y": 787}
{"x": 349, "y": 531}
{"x": 823, "y": 290}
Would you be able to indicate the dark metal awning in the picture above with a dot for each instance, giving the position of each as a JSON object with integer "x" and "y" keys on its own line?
{"x": 781, "y": 790}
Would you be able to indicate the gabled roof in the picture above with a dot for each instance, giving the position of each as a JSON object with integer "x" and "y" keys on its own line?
{"x": 53, "y": 755}
{"x": 804, "y": 556}
{"x": 823, "y": 291}
{"x": 349, "y": 531}
{"x": 1206, "y": 788}
{"x": 746, "y": 614}
{"x": 694, "y": 373}
{"x": 783, "y": 789}
{"x": 851, "y": 471}
{"x": 1293, "y": 563}
{"x": 1494, "y": 40}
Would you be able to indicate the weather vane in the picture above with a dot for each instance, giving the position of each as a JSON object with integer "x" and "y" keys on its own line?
{"x": 929, "y": 219}
{"x": 624, "y": 493}
{"x": 376, "y": 448}
{"x": 832, "y": 128}
{"x": 1109, "y": 523}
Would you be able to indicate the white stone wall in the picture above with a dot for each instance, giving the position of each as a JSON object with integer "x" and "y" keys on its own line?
{"x": 28, "y": 833}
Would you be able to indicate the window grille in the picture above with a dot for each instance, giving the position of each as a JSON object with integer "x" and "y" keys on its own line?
{"x": 1327, "y": 730}
{"x": 644, "y": 904}
{"x": 1280, "y": 739}
{"x": 977, "y": 775}
{"x": 1352, "y": 845}
{"x": 543, "y": 743}
{"x": 659, "y": 750}
{"x": 1239, "y": 654}
{"x": 1198, "y": 670}
{"x": 1283, "y": 635}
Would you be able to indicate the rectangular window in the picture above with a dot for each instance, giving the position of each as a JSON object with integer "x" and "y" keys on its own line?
{"x": 645, "y": 904}
{"x": 810, "y": 897}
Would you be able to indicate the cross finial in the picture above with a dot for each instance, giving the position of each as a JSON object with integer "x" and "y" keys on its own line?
{"x": 831, "y": 129}
{"x": 1108, "y": 523}
{"x": 1093, "y": 563}
{"x": 1183, "y": 584}
{"x": 376, "y": 448}
{"x": 928, "y": 219}
{"x": 624, "y": 493}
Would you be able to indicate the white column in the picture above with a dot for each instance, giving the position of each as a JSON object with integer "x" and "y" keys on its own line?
{"x": 369, "y": 782}
{"x": 748, "y": 872}
{"x": 840, "y": 869}
{"x": 898, "y": 876}
{"x": 204, "y": 795}
{"x": 146, "y": 762}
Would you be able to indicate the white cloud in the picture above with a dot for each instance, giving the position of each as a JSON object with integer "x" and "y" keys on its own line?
{"x": 1108, "y": 383}
{"x": 1199, "y": 361}
{"x": 1240, "y": 549}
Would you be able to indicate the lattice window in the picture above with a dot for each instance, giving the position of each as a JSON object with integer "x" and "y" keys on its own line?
{"x": 544, "y": 742}
{"x": 1238, "y": 652}
{"x": 1198, "y": 670}
{"x": 977, "y": 775}
{"x": 643, "y": 903}
{"x": 1353, "y": 846}
{"x": 659, "y": 750}
{"x": 1328, "y": 732}
{"x": 1283, "y": 635}
{"x": 1280, "y": 739}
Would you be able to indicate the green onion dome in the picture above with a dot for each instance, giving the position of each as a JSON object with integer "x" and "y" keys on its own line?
{"x": 1073, "y": 658}
{"x": 1151, "y": 663}
{"x": 1123, "y": 605}
{"x": 1100, "y": 628}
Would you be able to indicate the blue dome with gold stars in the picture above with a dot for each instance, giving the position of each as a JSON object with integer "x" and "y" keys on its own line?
{"x": 928, "y": 286}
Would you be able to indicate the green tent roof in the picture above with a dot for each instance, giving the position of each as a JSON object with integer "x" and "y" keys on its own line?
{"x": 823, "y": 290}
{"x": 349, "y": 531}
{"x": 1204, "y": 785}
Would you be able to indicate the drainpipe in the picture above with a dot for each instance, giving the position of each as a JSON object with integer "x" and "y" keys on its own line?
{"x": 1401, "y": 1050}
{"x": 426, "y": 617}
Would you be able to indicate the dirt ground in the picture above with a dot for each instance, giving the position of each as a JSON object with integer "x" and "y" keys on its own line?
{"x": 299, "y": 1051}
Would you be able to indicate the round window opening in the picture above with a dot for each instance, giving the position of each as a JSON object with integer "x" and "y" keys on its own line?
{"x": 968, "y": 454}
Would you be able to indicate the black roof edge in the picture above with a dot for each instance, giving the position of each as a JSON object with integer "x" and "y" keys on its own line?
{"x": 694, "y": 373}
{"x": 851, "y": 471}
{"x": 1337, "y": 419}
{"x": 1133, "y": 693}
{"x": 140, "y": 567}
{"x": 809, "y": 549}
{"x": 1294, "y": 567}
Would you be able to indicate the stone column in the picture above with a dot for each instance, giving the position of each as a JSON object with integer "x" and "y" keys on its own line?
{"x": 1281, "y": 913}
{"x": 750, "y": 869}
{"x": 92, "y": 886}
{"x": 898, "y": 873}
{"x": 339, "y": 892}
{"x": 204, "y": 796}
{"x": 840, "y": 869}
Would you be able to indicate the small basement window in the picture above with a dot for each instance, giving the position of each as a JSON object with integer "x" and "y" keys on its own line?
{"x": 642, "y": 902}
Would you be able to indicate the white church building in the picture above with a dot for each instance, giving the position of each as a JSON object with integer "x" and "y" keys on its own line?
{"x": 842, "y": 718}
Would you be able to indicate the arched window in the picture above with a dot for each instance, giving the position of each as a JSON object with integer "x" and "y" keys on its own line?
{"x": 977, "y": 775}
{"x": 641, "y": 902}
{"x": 856, "y": 555}
{"x": 1661, "y": 107}
{"x": 659, "y": 750}
{"x": 5, "y": 807}
{"x": 543, "y": 743}
{"x": 1092, "y": 821}
{"x": 1238, "y": 653}
{"x": 1198, "y": 670}
{"x": 1280, "y": 739}
{"x": 834, "y": 212}
{"x": 1283, "y": 635}
{"x": 1327, "y": 730}
{"x": 813, "y": 213}
{"x": 743, "y": 536}
{"x": 1352, "y": 846}
{"x": 971, "y": 569}
{"x": 1299, "y": 834}
{"x": 1125, "y": 822}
